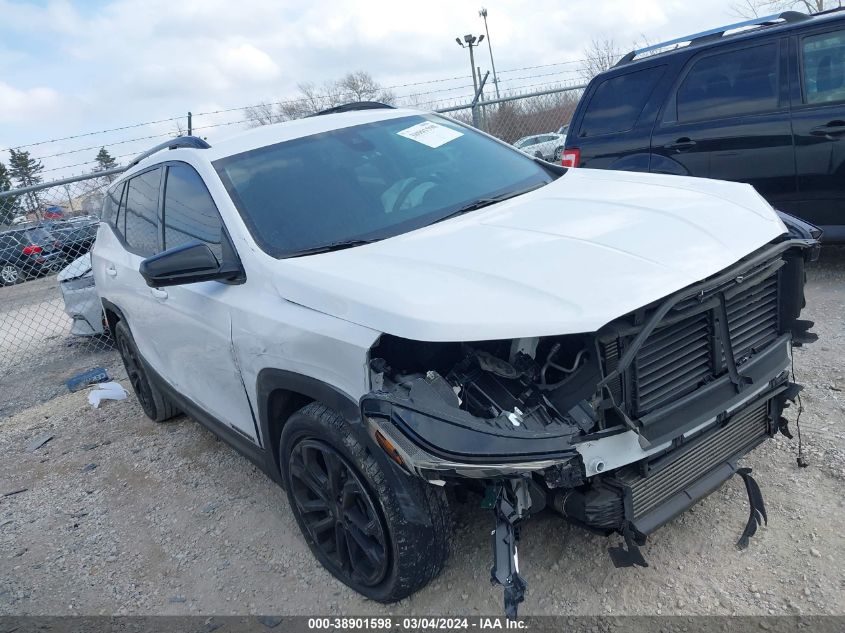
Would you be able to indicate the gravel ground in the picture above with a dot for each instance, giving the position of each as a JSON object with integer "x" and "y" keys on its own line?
{"x": 122, "y": 516}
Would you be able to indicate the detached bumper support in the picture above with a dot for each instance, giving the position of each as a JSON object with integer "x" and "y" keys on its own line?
{"x": 505, "y": 570}
{"x": 757, "y": 514}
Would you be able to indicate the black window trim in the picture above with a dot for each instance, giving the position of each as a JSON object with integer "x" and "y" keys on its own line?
{"x": 799, "y": 51}
{"x": 671, "y": 102}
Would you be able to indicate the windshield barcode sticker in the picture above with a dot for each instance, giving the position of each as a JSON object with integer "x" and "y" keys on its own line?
{"x": 430, "y": 134}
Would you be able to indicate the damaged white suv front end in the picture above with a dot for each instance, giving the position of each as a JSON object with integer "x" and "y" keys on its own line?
{"x": 610, "y": 360}
{"x": 378, "y": 304}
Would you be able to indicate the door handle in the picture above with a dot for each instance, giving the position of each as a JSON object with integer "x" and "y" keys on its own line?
{"x": 681, "y": 144}
{"x": 831, "y": 128}
{"x": 111, "y": 271}
{"x": 158, "y": 293}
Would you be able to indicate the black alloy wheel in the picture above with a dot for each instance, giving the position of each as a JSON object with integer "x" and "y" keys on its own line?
{"x": 339, "y": 513}
{"x": 135, "y": 373}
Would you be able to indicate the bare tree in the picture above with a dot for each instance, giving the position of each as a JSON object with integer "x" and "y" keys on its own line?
{"x": 262, "y": 114}
{"x": 757, "y": 8}
{"x": 178, "y": 128}
{"x": 362, "y": 85}
{"x": 598, "y": 57}
{"x": 354, "y": 86}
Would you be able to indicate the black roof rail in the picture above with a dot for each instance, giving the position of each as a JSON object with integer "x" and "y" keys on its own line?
{"x": 194, "y": 142}
{"x": 355, "y": 105}
{"x": 768, "y": 20}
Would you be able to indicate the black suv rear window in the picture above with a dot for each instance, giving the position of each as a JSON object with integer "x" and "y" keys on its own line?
{"x": 730, "y": 84}
{"x": 617, "y": 102}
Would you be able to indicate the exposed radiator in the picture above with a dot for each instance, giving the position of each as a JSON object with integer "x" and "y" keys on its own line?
{"x": 691, "y": 462}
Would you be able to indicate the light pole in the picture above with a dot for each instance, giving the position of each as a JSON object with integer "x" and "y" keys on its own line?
{"x": 471, "y": 42}
{"x": 483, "y": 14}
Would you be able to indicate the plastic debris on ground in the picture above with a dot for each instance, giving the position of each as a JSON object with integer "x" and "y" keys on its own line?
{"x": 107, "y": 391}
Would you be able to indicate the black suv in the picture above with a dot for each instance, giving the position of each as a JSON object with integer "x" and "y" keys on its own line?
{"x": 28, "y": 252}
{"x": 76, "y": 237}
{"x": 761, "y": 102}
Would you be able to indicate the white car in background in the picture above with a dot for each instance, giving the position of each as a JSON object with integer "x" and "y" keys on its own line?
{"x": 546, "y": 146}
{"x": 82, "y": 303}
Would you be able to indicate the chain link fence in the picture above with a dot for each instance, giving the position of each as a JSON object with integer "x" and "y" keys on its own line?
{"x": 51, "y": 319}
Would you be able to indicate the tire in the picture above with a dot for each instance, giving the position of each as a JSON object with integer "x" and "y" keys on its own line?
{"x": 10, "y": 274}
{"x": 558, "y": 153}
{"x": 155, "y": 404}
{"x": 538, "y": 154}
{"x": 363, "y": 512}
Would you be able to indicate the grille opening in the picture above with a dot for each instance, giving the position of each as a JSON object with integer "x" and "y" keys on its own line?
{"x": 679, "y": 357}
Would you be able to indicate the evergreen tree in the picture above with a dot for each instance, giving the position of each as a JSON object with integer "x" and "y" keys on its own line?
{"x": 105, "y": 160}
{"x": 26, "y": 171}
{"x": 8, "y": 205}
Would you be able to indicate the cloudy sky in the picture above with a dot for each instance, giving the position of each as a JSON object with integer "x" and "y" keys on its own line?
{"x": 68, "y": 68}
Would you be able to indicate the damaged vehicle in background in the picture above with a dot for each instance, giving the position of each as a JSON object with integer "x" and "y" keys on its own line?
{"x": 82, "y": 303}
{"x": 376, "y": 305}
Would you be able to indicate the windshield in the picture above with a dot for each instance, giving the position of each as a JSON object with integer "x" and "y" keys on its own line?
{"x": 369, "y": 182}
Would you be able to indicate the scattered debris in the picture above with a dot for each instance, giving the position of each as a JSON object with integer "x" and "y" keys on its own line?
{"x": 15, "y": 492}
{"x": 89, "y": 467}
{"x": 107, "y": 391}
{"x": 37, "y": 442}
{"x": 90, "y": 377}
{"x": 178, "y": 599}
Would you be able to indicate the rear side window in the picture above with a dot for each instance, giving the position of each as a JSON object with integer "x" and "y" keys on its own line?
{"x": 730, "y": 84}
{"x": 617, "y": 103}
{"x": 141, "y": 209}
{"x": 111, "y": 203}
{"x": 823, "y": 64}
{"x": 189, "y": 212}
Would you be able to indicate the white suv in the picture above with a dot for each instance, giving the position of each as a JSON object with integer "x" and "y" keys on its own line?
{"x": 377, "y": 304}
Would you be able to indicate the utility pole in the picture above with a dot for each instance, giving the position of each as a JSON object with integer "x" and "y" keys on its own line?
{"x": 190, "y": 128}
{"x": 483, "y": 14}
{"x": 471, "y": 42}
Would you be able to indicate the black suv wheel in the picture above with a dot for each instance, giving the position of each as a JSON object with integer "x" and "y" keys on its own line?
{"x": 351, "y": 518}
{"x": 155, "y": 404}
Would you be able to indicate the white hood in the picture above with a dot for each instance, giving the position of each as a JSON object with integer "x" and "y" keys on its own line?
{"x": 566, "y": 258}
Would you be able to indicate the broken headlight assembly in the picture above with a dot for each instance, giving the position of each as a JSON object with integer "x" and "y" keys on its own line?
{"x": 493, "y": 413}
{"x": 483, "y": 409}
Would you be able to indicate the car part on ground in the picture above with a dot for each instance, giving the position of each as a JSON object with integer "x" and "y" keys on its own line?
{"x": 432, "y": 330}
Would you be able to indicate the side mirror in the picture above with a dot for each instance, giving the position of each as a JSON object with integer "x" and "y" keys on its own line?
{"x": 187, "y": 264}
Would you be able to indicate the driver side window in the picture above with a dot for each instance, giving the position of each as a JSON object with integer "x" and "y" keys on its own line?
{"x": 189, "y": 211}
